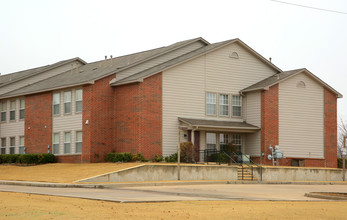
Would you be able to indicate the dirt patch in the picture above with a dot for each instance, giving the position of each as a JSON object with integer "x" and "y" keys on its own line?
{"x": 26, "y": 206}
{"x": 59, "y": 172}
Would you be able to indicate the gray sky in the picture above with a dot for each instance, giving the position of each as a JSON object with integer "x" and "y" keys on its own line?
{"x": 40, "y": 32}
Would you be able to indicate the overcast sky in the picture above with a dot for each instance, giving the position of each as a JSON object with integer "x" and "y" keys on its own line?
{"x": 40, "y": 32}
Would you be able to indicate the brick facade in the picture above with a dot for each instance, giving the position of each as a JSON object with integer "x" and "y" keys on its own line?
{"x": 98, "y": 133}
{"x": 330, "y": 128}
{"x": 138, "y": 117}
{"x": 269, "y": 121}
{"x": 38, "y": 123}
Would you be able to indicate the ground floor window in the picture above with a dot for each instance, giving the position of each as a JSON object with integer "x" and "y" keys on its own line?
{"x": 3, "y": 145}
{"x": 78, "y": 141}
{"x": 12, "y": 144}
{"x": 56, "y": 143}
{"x": 211, "y": 141}
{"x": 21, "y": 145}
{"x": 223, "y": 141}
{"x": 237, "y": 141}
{"x": 67, "y": 142}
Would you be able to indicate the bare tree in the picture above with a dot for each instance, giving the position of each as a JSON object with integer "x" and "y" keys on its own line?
{"x": 342, "y": 133}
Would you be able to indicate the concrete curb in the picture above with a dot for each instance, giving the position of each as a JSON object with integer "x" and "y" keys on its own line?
{"x": 321, "y": 196}
{"x": 171, "y": 183}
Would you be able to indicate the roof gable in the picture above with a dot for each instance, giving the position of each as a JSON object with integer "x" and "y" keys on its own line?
{"x": 280, "y": 77}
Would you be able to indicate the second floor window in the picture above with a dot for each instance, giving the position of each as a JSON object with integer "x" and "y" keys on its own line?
{"x": 79, "y": 103}
{"x": 12, "y": 110}
{"x": 67, "y": 102}
{"x": 56, "y": 103}
{"x": 236, "y": 103}
{"x": 3, "y": 111}
{"x": 21, "y": 109}
{"x": 223, "y": 105}
{"x": 211, "y": 101}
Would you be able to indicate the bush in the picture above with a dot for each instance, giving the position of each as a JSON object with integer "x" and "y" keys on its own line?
{"x": 158, "y": 158}
{"x": 171, "y": 159}
{"x": 139, "y": 157}
{"x": 340, "y": 162}
{"x": 119, "y": 157}
{"x": 219, "y": 158}
{"x": 27, "y": 158}
{"x": 187, "y": 153}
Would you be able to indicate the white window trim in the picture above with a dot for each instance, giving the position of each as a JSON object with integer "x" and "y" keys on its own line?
{"x": 216, "y": 104}
{"x": 78, "y": 100}
{"x": 78, "y": 142}
{"x": 56, "y": 93}
{"x": 67, "y": 142}
{"x": 13, "y": 110}
{"x": 70, "y": 102}
{"x": 21, "y": 109}
{"x": 219, "y": 105}
{"x": 231, "y": 109}
{"x": 56, "y": 143}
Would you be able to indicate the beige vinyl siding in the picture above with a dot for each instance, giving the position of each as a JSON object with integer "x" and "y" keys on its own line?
{"x": 301, "y": 112}
{"x": 185, "y": 86}
{"x": 12, "y": 128}
{"x": 67, "y": 122}
{"x": 253, "y": 140}
{"x": 159, "y": 60}
{"x": 230, "y": 75}
{"x": 36, "y": 78}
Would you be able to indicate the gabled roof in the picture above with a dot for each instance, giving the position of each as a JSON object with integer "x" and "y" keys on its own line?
{"x": 90, "y": 72}
{"x": 139, "y": 76}
{"x": 279, "y": 77}
{"x": 16, "y": 76}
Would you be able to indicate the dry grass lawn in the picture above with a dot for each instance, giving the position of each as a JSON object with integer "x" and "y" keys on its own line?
{"x": 26, "y": 206}
{"x": 59, "y": 172}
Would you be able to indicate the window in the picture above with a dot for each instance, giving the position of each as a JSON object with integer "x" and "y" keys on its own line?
{"x": 211, "y": 141}
{"x": 56, "y": 103}
{"x": 3, "y": 111}
{"x": 21, "y": 109}
{"x": 12, "y": 110}
{"x": 78, "y": 141}
{"x": 12, "y": 144}
{"x": 237, "y": 103}
{"x": 56, "y": 143}
{"x": 237, "y": 141}
{"x": 67, "y": 141}
{"x": 3, "y": 145}
{"x": 223, "y": 105}
{"x": 79, "y": 97}
{"x": 21, "y": 145}
{"x": 67, "y": 102}
{"x": 211, "y": 100}
{"x": 223, "y": 141}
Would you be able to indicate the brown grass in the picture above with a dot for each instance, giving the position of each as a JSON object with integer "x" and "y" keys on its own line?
{"x": 26, "y": 206}
{"x": 59, "y": 172}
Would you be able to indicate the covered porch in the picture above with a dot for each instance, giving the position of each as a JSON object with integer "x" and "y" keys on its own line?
{"x": 211, "y": 136}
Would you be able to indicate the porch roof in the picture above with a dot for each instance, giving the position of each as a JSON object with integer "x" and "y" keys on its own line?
{"x": 204, "y": 124}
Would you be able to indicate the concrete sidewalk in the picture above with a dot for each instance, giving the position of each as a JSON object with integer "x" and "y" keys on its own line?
{"x": 148, "y": 193}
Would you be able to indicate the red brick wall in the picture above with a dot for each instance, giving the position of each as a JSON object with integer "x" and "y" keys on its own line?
{"x": 138, "y": 117}
{"x": 98, "y": 102}
{"x": 269, "y": 121}
{"x": 38, "y": 123}
{"x": 330, "y": 128}
{"x": 68, "y": 159}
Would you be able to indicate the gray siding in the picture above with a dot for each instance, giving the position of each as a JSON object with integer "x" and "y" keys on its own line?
{"x": 12, "y": 128}
{"x": 67, "y": 122}
{"x": 159, "y": 60}
{"x": 252, "y": 141}
{"x": 301, "y": 114}
{"x": 185, "y": 85}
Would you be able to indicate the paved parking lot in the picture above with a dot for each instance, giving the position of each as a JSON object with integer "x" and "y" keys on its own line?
{"x": 267, "y": 192}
